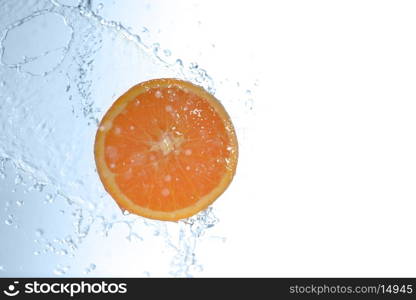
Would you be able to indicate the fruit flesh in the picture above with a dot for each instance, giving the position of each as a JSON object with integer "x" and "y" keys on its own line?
{"x": 168, "y": 148}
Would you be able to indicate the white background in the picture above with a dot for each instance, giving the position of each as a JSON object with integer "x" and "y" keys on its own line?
{"x": 332, "y": 173}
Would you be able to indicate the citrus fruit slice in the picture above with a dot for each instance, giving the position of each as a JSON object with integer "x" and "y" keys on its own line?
{"x": 166, "y": 149}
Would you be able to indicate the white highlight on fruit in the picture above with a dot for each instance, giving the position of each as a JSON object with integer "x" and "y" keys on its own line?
{"x": 165, "y": 192}
{"x": 188, "y": 152}
{"x": 158, "y": 94}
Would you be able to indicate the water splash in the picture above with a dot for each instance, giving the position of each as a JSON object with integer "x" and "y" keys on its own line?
{"x": 48, "y": 130}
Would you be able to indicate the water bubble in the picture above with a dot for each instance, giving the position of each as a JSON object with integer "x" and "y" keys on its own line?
{"x": 167, "y": 52}
{"x": 2, "y": 268}
{"x": 36, "y": 253}
{"x": 39, "y": 232}
{"x": 20, "y": 202}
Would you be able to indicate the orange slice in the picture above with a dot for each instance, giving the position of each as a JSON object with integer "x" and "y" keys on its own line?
{"x": 166, "y": 149}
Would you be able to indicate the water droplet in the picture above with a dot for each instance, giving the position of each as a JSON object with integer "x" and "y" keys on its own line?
{"x": 36, "y": 253}
{"x": 39, "y": 232}
{"x": 62, "y": 252}
{"x": 1, "y": 268}
{"x": 61, "y": 270}
{"x": 9, "y": 221}
{"x": 49, "y": 198}
{"x": 38, "y": 186}
{"x": 20, "y": 202}
{"x": 90, "y": 268}
{"x": 167, "y": 52}
{"x": 18, "y": 179}
{"x": 100, "y": 7}
{"x": 168, "y": 178}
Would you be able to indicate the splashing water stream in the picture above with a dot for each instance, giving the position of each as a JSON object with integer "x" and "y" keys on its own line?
{"x": 62, "y": 64}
